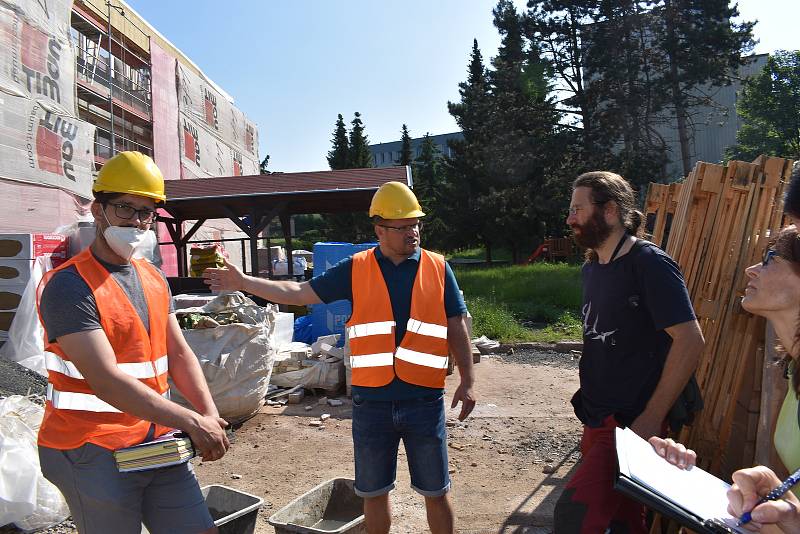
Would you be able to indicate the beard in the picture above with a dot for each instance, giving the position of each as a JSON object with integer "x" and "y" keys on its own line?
{"x": 593, "y": 233}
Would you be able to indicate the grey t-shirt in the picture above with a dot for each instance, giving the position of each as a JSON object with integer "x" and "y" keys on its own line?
{"x": 68, "y": 306}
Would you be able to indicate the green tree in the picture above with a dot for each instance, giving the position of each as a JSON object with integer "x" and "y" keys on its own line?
{"x": 405, "y": 150}
{"x": 465, "y": 170}
{"x": 524, "y": 127}
{"x": 701, "y": 46}
{"x": 358, "y": 150}
{"x": 594, "y": 77}
{"x": 262, "y": 167}
{"x": 769, "y": 107}
{"x": 428, "y": 188}
{"x": 629, "y": 69}
{"x": 629, "y": 101}
{"x": 339, "y": 154}
{"x": 558, "y": 28}
{"x": 352, "y": 153}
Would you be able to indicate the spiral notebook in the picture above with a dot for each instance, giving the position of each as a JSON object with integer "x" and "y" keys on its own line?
{"x": 694, "y": 498}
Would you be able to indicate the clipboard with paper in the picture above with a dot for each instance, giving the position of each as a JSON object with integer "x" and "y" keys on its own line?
{"x": 694, "y": 498}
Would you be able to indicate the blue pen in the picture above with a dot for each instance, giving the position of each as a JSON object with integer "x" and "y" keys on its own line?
{"x": 773, "y": 495}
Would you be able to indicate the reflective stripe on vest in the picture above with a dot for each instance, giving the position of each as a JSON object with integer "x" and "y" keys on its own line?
{"x": 68, "y": 400}
{"x": 55, "y": 363}
{"x": 371, "y": 360}
{"x": 421, "y": 358}
{"x": 370, "y": 329}
{"x": 427, "y": 329}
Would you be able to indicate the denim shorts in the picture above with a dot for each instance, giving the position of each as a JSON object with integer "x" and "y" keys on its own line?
{"x": 378, "y": 427}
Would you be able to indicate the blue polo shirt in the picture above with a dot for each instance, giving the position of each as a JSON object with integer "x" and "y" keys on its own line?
{"x": 337, "y": 284}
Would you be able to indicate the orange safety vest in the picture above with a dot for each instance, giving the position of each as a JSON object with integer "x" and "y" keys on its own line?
{"x": 421, "y": 358}
{"x": 73, "y": 414}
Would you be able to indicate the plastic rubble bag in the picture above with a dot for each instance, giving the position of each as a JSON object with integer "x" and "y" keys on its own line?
{"x": 485, "y": 345}
{"x": 236, "y": 358}
{"x": 25, "y": 344}
{"x": 27, "y": 499}
{"x": 322, "y": 375}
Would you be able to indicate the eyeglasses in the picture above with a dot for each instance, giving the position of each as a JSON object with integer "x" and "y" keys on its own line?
{"x": 416, "y": 227}
{"x": 768, "y": 255}
{"x": 123, "y": 211}
{"x": 574, "y": 211}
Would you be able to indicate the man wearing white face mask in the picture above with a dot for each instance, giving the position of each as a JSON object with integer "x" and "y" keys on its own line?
{"x": 114, "y": 340}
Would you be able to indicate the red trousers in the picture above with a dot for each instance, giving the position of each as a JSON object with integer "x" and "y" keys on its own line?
{"x": 589, "y": 503}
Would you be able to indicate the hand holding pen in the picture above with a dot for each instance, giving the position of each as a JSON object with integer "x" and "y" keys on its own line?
{"x": 758, "y": 497}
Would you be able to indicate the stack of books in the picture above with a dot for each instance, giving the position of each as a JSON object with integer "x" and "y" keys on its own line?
{"x": 170, "y": 449}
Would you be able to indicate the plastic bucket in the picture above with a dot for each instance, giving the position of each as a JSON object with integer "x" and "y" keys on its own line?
{"x": 233, "y": 511}
{"x": 330, "y": 508}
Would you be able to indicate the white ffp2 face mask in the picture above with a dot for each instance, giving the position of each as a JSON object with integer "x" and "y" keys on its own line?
{"x": 127, "y": 241}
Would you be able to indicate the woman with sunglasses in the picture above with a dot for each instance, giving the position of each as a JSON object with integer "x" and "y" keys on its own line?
{"x": 773, "y": 292}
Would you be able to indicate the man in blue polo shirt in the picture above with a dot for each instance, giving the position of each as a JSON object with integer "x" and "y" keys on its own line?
{"x": 400, "y": 332}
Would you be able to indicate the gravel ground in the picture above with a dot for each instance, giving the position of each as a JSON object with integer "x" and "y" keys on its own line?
{"x": 548, "y": 446}
{"x": 18, "y": 380}
{"x": 65, "y": 527}
{"x": 534, "y": 357}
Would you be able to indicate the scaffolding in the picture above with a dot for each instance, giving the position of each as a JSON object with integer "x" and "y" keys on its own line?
{"x": 113, "y": 81}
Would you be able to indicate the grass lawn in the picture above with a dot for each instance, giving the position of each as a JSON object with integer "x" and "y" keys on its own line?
{"x": 538, "y": 302}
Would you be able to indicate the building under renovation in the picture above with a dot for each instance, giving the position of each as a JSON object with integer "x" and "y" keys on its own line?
{"x": 83, "y": 80}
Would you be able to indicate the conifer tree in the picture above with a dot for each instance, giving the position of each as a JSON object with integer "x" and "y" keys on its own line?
{"x": 358, "y": 149}
{"x": 405, "y": 148}
{"x": 338, "y": 156}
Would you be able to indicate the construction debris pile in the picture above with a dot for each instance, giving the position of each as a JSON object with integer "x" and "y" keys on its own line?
{"x": 319, "y": 366}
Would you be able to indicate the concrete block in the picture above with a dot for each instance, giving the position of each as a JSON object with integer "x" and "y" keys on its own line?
{"x": 336, "y": 352}
{"x": 296, "y": 397}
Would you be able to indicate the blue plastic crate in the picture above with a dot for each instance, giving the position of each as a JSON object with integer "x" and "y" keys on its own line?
{"x": 326, "y": 255}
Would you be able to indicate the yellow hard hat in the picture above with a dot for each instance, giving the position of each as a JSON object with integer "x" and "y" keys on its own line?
{"x": 394, "y": 200}
{"x": 131, "y": 173}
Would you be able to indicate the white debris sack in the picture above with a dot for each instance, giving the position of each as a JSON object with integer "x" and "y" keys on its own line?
{"x": 485, "y": 345}
{"x": 236, "y": 358}
{"x": 321, "y": 375}
{"x": 27, "y": 499}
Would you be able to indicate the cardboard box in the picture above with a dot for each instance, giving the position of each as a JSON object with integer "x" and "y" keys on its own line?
{"x": 30, "y": 246}
{"x": 15, "y": 272}
{"x": 10, "y": 297}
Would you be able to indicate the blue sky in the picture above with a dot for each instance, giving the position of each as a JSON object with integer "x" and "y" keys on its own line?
{"x": 292, "y": 65}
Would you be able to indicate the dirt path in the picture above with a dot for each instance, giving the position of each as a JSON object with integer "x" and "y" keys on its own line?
{"x": 508, "y": 461}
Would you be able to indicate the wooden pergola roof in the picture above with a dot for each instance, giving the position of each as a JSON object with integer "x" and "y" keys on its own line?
{"x": 263, "y": 197}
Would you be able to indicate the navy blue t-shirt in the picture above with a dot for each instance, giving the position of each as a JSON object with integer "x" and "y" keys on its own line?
{"x": 337, "y": 284}
{"x": 627, "y": 304}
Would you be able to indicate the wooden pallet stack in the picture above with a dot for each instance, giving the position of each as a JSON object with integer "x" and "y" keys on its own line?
{"x": 716, "y": 223}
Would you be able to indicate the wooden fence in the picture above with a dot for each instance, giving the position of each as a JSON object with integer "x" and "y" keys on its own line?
{"x": 714, "y": 224}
